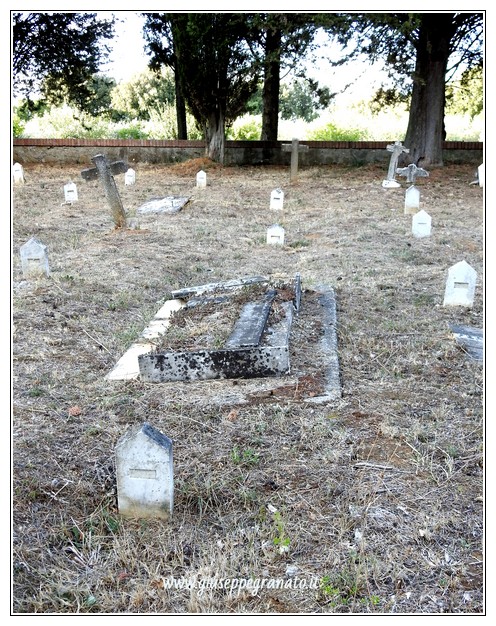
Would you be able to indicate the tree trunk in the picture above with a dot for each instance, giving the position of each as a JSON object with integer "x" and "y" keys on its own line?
{"x": 270, "y": 94}
{"x": 182, "y": 128}
{"x": 216, "y": 137}
{"x": 425, "y": 133}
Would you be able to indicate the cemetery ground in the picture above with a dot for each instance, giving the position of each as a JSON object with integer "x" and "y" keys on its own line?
{"x": 370, "y": 503}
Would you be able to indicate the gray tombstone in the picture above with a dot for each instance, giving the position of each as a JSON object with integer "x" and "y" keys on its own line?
{"x": 144, "y": 471}
{"x": 421, "y": 224}
{"x": 34, "y": 259}
{"x": 460, "y": 285}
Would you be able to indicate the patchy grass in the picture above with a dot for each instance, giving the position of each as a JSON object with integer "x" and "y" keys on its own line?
{"x": 377, "y": 496}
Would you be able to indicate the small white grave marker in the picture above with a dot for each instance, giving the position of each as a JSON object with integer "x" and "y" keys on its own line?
{"x": 460, "y": 286}
{"x": 70, "y": 192}
{"x": 275, "y": 234}
{"x": 130, "y": 177}
{"x": 201, "y": 179}
{"x": 480, "y": 175}
{"x": 421, "y": 224}
{"x": 18, "y": 174}
{"x": 144, "y": 472}
{"x": 412, "y": 200}
{"x": 34, "y": 259}
{"x": 277, "y": 199}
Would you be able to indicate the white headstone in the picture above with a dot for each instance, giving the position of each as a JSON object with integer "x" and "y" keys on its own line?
{"x": 201, "y": 179}
{"x": 70, "y": 192}
{"x": 275, "y": 234}
{"x": 460, "y": 286}
{"x": 144, "y": 472}
{"x": 421, "y": 224}
{"x": 412, "y": 200}
{"x": 18, "y": 173}
{"x": 480, "y": 175}
{"x": 34, "y": 259}
{"x": 130, "y": 177}
{"x": 277, "y": 199}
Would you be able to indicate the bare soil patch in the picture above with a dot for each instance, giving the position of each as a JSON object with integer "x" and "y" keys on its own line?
{"x": 376, "y": 496}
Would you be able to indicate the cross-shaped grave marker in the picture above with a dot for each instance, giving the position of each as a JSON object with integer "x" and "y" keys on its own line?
{"x": 412, "y": 194}
{"x": 105, "y": 170}
{"x": 294, "y": 147}
{"x": 396, "y": 149}
{"x": 411, "y": 172}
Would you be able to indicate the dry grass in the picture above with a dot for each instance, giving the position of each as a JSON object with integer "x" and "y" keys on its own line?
{"x": 378, "y": 495}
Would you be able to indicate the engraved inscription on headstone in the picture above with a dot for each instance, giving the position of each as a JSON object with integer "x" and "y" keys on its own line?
{"x": 144, "y": 471}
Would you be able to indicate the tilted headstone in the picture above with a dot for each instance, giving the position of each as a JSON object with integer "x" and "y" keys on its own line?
{"x": 460, "y": 286}
{"x": 144, "y": 472}
{"x": 34, "y": 259}
{"x": 277, "y": 199}
{"x": 130, "y": 177}
{"x": 275, "y": 234}
{"x": 396, "y": 149}
{"x": 412, "y": 200}
{"x": 70, "y": 192}
{"x": 421, "y": 224}
{"x": 104, "y": 171}
{"x": 201, "y": 179}
{"x": 18, "y": 174}
{"x": 294, "y": 147}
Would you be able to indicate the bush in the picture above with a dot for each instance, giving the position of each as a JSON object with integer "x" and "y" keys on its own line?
{"x": 17, "y": 126}
{"x": 132, "y": 131}
{"x": 330, "y": 132}
{"x": 246, "y": 128}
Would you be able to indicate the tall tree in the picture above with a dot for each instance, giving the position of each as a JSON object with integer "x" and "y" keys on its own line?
{"x": 426, "y": 49}
{"x": 215, "y": 70}
{"x": 56, "y": 54}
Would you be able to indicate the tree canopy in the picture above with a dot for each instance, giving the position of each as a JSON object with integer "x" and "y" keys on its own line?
{"x": 56, "y": 54}
{"x": 422, "y": 51}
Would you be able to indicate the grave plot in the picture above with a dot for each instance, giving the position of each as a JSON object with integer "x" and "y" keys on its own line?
{"x": 251, "y": 328}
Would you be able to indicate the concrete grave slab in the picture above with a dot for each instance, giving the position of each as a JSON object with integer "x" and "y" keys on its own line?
{"x": 169, "y": 204}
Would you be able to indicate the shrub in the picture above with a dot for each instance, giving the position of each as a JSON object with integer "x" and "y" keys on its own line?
{"x": 246, "y": 128}
{"x": 330, "y": 132}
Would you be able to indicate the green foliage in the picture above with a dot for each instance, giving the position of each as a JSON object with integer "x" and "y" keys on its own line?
{"x": 132, "y": 131}
{"x": 17, "y": 126}
{"x": 302, "y": 99}
{"x": 466, "y": 96}
{"x": 56, "y": 54}
{"x": 330, "y": 132}
{"x": 246, "y": 128}
{"x": 144, "y": 95}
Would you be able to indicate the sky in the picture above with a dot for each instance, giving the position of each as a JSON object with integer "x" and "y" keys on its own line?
{"x": 128, "y": 58}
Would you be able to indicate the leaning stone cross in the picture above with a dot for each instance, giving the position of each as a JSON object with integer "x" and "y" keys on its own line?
{"x": 411, "y": 172}
{"x": 294, "y": 147}
{"x": 396, "y": 149}
{"x": 104, "y": 170}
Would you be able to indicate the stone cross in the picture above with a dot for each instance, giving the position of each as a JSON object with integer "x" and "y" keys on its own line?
{"x": 144, "y": 473}
{"x": 411, "y": 172}
{"x": 104, "y": 171}
{"x": 294, "y": 147}
{"x": 396, "y": 149}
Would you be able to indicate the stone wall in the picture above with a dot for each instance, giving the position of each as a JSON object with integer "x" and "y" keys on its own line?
{"x": 80, "y": 151}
